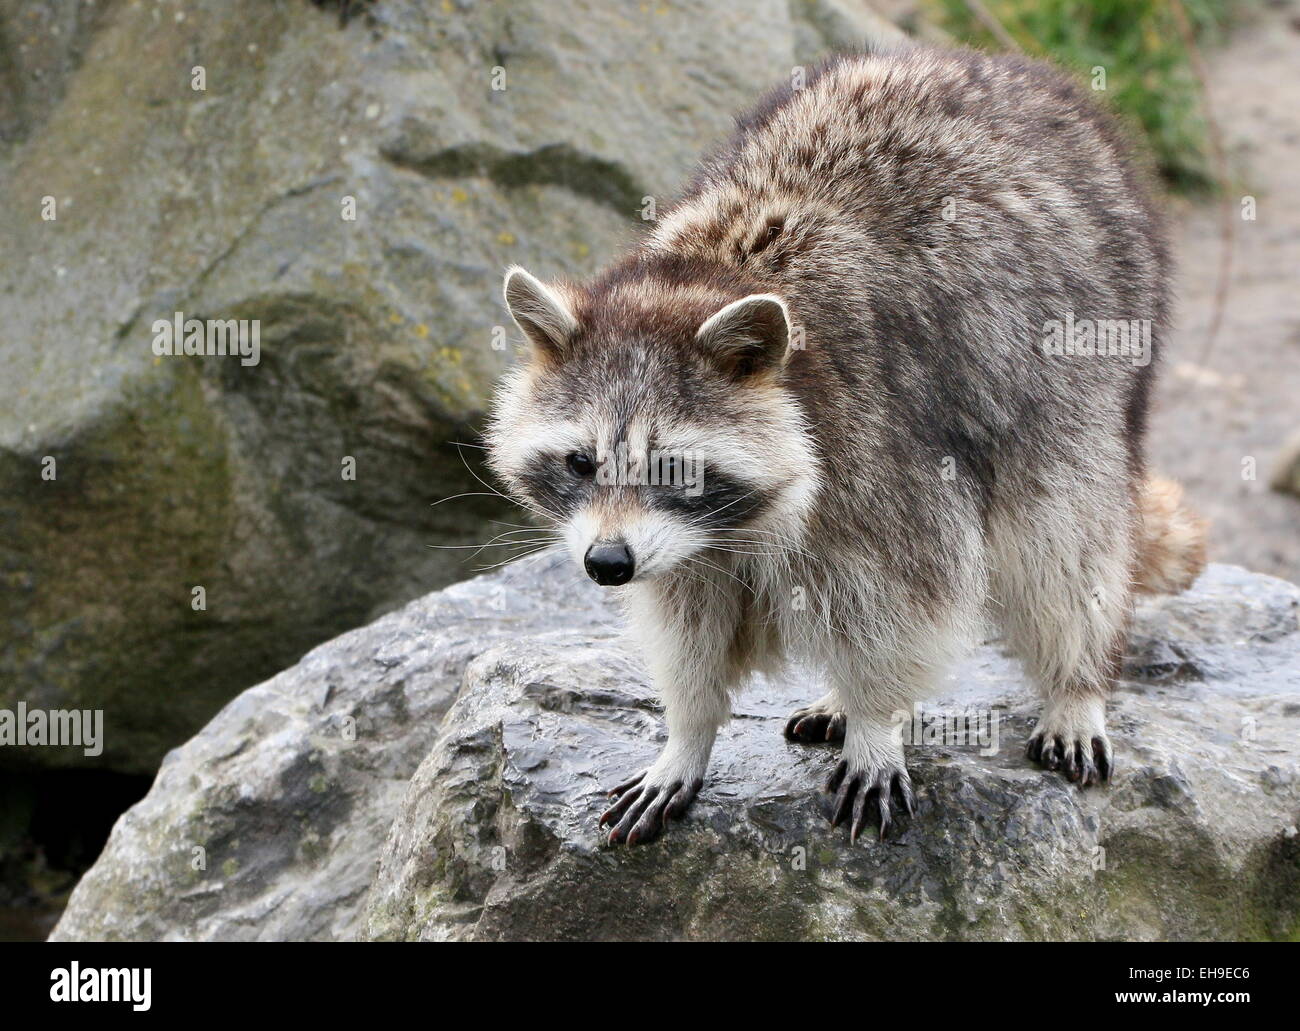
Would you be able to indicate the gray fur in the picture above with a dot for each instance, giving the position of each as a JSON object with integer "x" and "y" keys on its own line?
{"x": 914, "y": 464}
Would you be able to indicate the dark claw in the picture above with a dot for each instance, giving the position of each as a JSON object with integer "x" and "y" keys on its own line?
{"x": 1081, "y": 764}
{"x": 621, "y": 806}
{"x": 1101, "y": 758}
{"x": 844, "y": 800}
{"x": 1087, "y": 769}
{"x": 881, "y": 796}
{"x": 641, "y": 813}
{"x": 630, "y": 783}
{"x": 903, "y": 786}
{"x": 862, "y": 812}
{"x": 815, "y": 726}
{"x": 682, "y": 800}
{"x": 859, "y": 813}
{"x": 652, "y": 820}
{"x": 1048, "y": 753}
{"x": 632, "y": 817}
{"x": 868, "y": 803}
{"x": 1071, "y": 765}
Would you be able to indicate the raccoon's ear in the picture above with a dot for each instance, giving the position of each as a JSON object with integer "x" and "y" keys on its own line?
{"x": 748, "y": 336}
{"x": 540, "y": 312}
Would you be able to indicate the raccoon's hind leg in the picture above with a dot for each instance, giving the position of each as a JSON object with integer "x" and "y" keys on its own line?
{"x": 823, "y": 720}
{"x": 1061, "y": 587}
{"x": 1071, "y": 737}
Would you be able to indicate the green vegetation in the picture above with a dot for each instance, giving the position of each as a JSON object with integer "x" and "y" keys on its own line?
{"x": 1151, "y": 79}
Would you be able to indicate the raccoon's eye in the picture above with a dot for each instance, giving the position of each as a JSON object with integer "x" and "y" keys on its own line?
{"x": 580, "y": 464}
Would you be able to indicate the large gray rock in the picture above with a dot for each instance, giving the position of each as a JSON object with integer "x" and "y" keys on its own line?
{"x": 269, "y": 823}
{"x": 489, "y": 718}
{"x": 376, "y": 334}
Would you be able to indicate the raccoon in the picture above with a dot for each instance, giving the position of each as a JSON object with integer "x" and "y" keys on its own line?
{"x": 849, "y": 323}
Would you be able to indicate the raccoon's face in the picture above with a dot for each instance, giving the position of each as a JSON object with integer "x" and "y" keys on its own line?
{"x": 652, "y": 430}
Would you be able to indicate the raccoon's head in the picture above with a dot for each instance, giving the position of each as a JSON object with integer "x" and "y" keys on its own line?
{"x": 649, "y": 422}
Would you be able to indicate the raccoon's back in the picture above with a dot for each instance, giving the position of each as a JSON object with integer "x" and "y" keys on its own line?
{"x": 927, "y": 212}
{"x": 930, "y": 159}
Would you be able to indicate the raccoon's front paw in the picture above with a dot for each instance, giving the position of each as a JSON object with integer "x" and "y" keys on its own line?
{"x": 646, "y": 803}
{"x": 821, "y": 721}
{"x": 870, "y": 796}
{"x": 869, "y": 781}
{"x": 1071, "y": 737}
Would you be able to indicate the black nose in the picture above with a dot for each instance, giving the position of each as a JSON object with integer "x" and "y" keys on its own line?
{"x": 609, "y": 564}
